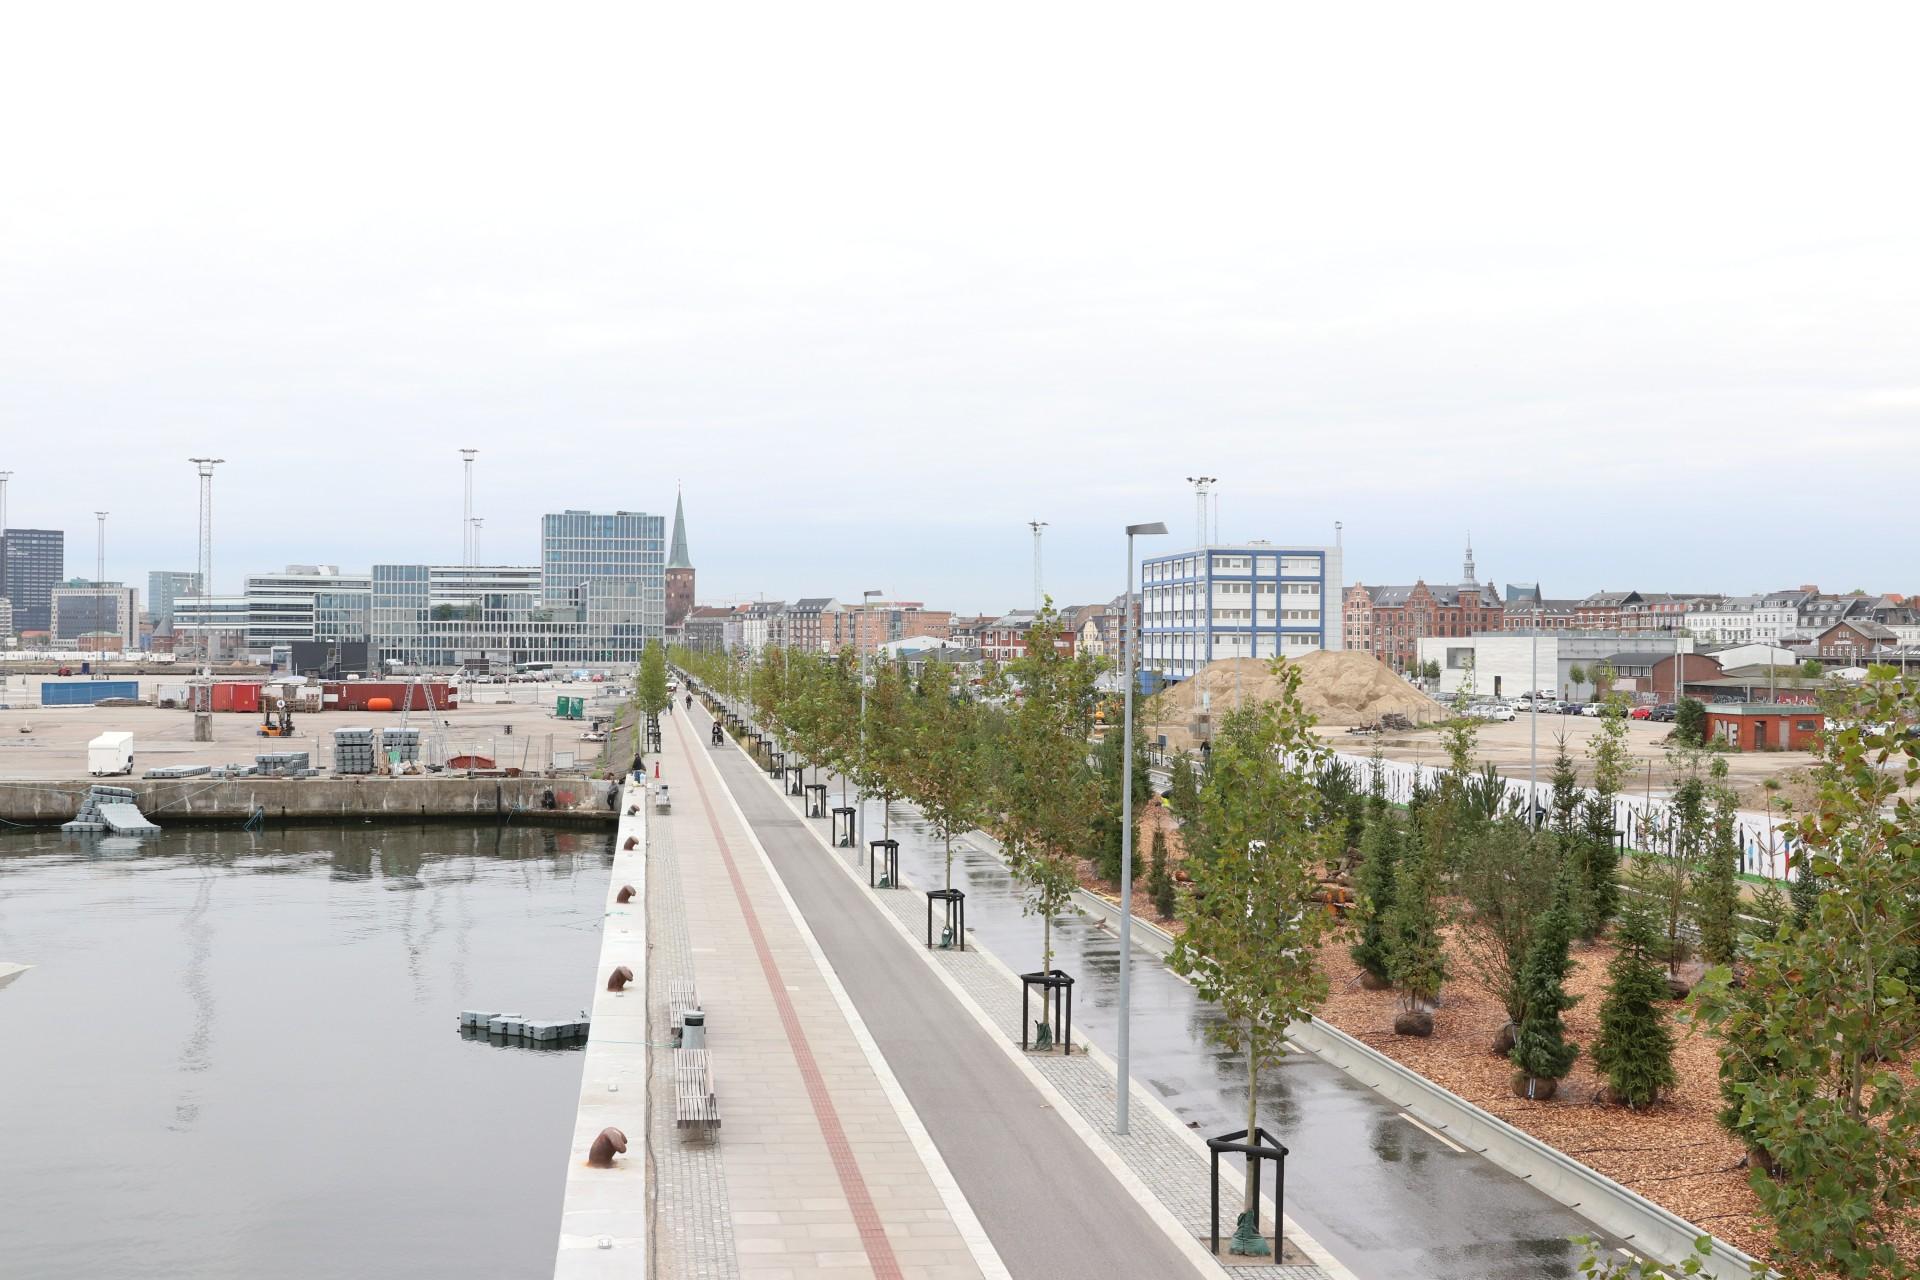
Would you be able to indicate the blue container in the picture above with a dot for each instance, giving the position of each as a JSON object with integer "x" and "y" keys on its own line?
{"x": 84, "y": 693}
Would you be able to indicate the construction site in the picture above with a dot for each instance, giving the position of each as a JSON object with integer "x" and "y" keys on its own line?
{"x": 425, "y": 748}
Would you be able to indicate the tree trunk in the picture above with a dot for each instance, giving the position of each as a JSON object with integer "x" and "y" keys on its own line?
{"x": 949, "y": 862}
{"x": 1250, "y": 1205}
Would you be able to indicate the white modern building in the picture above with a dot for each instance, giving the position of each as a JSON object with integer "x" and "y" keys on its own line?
{"x": 103, "y": 612}
{"x": 1504, "y": 664}
{"x": 1257, "y": 600}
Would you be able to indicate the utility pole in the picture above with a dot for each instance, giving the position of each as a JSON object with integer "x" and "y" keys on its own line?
{"x": 4, "y": 477}
{"x": 1129, "y": 645}
{"x": 466, "y": 511}
{"x": 203, "y": 691}
{"x": 100, "y": 583}
{"x": 1036, "y": 526}
{"x": 473, "y": 557}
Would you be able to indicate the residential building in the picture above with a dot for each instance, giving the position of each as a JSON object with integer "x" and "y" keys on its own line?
{"x": 1650, "y": 674}
{"x": 1659, "y": 610}
{"x": 94, "y": 615}
{"x": 1819, "y": 613}
{"x": 968, "y": 628}
{"x": 1543, "y": 615}
{"x": 1090, "y": 637}
{"x": 608, "y": 571}
{"x": 1857, "y": 639}
{"x": 164, "y": 587}
{"x": 679, "y": 571}
{"x": 32, "y": 563}
{"x": 1601, "y": 610}
{"x": 1390, "y": 621}
{"x": 812, "y": 624}
{"x": 1255, "y": 600}
{"x": 712, "y": 629}
{"x": 1004, "y": 640}
{"x": 760, "y": 624}
{"x": 873, "y": 623}
{"x": 1770, "y": 618}
{"x": 1506, "y": 664}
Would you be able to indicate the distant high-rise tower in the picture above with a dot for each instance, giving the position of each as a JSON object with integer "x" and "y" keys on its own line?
{"x": 679, "y": 569}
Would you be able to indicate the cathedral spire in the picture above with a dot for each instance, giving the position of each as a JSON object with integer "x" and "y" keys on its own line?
{"x": 1466, "y": 573}
{"x": 677, "y": 558}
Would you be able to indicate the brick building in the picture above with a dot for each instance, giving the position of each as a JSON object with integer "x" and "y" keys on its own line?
{"x": 1765, "y": 726}
{"x": 1390, "y": 621}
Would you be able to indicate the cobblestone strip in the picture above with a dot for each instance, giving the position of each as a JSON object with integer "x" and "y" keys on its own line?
{"x": 1165, "y": 1162}
{"x": 693, "y": 1226}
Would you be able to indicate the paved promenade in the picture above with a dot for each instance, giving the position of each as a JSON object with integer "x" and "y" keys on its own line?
{"x": 824, "y": 1169}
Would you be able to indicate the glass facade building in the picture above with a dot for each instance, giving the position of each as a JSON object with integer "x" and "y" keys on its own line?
{"x": 610, "y": 567}
{"x": 32, "y": 564}
{"x": 165, "y": 588}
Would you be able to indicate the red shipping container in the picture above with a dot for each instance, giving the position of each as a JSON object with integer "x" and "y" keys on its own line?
{"x": 236, "y": 696}
{"x": 355, "y": 694}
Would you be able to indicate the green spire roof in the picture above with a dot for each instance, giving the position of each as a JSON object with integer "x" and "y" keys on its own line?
{"x": 677, "y": 557}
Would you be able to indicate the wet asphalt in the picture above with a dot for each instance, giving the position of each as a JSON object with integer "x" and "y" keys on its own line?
{"x": 1387, "y": 1199}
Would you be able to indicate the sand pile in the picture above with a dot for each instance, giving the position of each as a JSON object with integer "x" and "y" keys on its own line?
{"x": 1338, "y": 688}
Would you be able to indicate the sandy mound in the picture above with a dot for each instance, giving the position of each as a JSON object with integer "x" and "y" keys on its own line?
{"x": 1338, "y": 688}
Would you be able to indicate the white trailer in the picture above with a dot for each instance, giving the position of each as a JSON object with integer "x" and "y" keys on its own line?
{"x": 110, "y": 753}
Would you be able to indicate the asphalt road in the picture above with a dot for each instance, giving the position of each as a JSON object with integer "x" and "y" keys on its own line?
{"x": 1053, "y": 1211}
{"x": 1386, "y": 1198}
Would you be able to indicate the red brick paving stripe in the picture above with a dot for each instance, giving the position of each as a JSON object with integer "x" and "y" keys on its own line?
{"x": 873, "y": 1237}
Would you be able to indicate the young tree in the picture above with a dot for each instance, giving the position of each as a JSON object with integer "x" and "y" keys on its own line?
{"x": 1416, "y": 960}
{"x": 946, "y": 776}
{"x": 650, "y": 689}
{"x": 1716, "y": 883}
{"x": 1505, "y": 885}
{"x": 1430, "y": 670}
{"x": 1635, "y": 1047}
{"x": 1608, "y": 754}
{"x": 1253, "y": 924}
{"x": 1668, "y": 872}
{"x": 1541, "y": 1052}
{"x": 1160, "y": 879}
{"x": 1833, "y": 1127}
{"x": 1108, "y": 770}
{"x": 1182, "y": 790}
{"x": 1046, "y": 793}
{"x": 1577, "y": 674}
{"x": 885, "y": 745}
{"x": 1373, "y": 907}
{"x": 1690, "y": 722}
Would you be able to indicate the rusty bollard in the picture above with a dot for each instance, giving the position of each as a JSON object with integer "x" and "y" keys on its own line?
{"x": 632, "y": 843}
{"x": 619, "y": 978}
{"x": 625, "y": 894}
{"x": 605, "y": 1147}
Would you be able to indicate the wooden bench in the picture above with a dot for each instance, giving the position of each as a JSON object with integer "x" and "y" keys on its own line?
{"x": 695, "y": 1104}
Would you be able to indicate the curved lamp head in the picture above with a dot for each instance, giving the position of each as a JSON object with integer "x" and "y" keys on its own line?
{"x": 1155, "y": 527}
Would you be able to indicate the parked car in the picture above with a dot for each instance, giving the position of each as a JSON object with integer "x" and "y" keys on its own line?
{"x": 1640, "y": 713}
{"x": 1497, "y": 711}
{"x": 1663, "y": 713}
{"x": 1595, "y": 709}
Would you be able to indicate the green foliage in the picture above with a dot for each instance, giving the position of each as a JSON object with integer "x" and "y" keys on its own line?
{"x": 1182, "y": 790}
{"x": 1805, "y": 1042}
{"x": 1252, "y": 922}
{"x": 1342, "y": 802}
{"x": 946, "y": 774}
{"x": 1431, "y": 669}
{"x": 1690, "y": 722}
{"x": 650, "y": 689}
{"x": 1716, "y": 881}
{"x": 1160, "y": 880}
{"x": 1541, "y": 1048}
{"x": 1601, "y": 1261}
{"x": 1416, "y": 962}
{"x": 1107, "y": 778}
{"x": 1667, "y": 872}
{"x": 1380, "y": 849}
{"x": 1505, "y": 884}
{"x": 1577, "y": 674}
{"x": 1599, "y": 898}
{"x": 1048, "y": 798}
{"x": 1635, "y": 1046}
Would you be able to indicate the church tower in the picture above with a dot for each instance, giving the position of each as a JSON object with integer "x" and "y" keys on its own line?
{"x": 679, "y": 570}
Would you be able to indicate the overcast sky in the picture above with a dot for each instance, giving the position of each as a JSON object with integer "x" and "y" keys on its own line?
{"x": 1634, "y": 294}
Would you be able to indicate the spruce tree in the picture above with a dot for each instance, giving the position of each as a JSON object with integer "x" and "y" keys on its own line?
{"x": 1416, "y": 960}
{"x": 1716, "y": 890}
{"x": 1635, "y": 1047}
{"x": 1159, "y": 881}
{"x": 1541, "y": 1050}
{"x": 1183, "y": 789}
{"x": 1379, "y": 852}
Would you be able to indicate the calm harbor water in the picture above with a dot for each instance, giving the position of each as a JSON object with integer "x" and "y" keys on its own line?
{"x": 237, "y": 1056}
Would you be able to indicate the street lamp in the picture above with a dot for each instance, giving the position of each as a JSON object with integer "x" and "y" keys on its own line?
{"x": 1130, "y": 636}
{"x": 859, "y": 781}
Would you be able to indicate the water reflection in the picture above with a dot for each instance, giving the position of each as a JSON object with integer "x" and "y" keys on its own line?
{"x": 241, "y": 1043}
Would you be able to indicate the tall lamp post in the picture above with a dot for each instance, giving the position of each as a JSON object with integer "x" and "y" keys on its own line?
{"x": 859, "y": 782}
{"x": 1130, "y": 643}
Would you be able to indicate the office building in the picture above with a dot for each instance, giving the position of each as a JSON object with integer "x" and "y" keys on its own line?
{"x": 32, "y": 563}
{"x": 87, "y": 615}
{"x": 436, "y": 616}
{"x": 1257, "y": 600}
{"x": 164, "y": 588}
{"x": 607, "y": 572}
